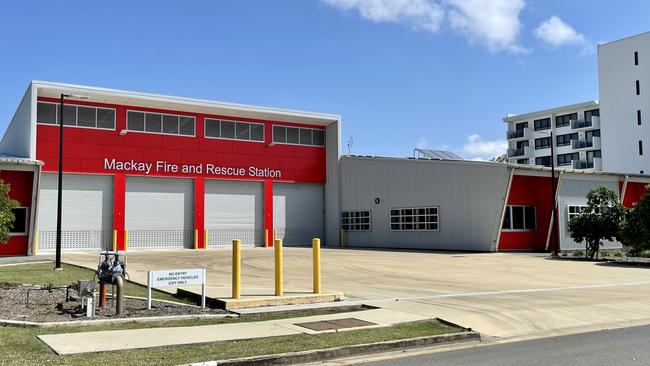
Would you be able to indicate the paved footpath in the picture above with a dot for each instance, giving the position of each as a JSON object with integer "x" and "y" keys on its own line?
{"x": 114, "y": 340}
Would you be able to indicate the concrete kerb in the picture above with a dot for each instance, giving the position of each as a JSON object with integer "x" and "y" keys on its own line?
{"x": 346, "y": 351}
{"x": 73, "y": 323}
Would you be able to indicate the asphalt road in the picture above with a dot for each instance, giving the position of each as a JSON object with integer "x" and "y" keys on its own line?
{"x": 621, "y": 347}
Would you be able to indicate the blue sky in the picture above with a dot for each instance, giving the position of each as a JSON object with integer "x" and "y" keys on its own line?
{"x": 401, "y": 73}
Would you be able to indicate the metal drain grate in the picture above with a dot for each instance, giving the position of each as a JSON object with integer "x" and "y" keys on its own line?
{"x": 335, "y": 324}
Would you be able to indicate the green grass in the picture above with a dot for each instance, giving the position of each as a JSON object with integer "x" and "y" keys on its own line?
{"x": 44, "y": 274}
{"x": 21, "y": 347}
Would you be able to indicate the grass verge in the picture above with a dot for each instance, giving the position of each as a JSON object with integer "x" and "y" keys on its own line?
{"x": 21, "y": 347}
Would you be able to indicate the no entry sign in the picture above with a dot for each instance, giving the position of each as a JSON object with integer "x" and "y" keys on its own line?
{"x": 176, "y": 277}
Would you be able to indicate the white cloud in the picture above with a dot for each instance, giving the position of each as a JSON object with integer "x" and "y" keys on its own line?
{"x": 419, "y": 14}
{"x": 557, "y": 33}
{"x": 477, "y": 148}
{"x": 493, "y": 23}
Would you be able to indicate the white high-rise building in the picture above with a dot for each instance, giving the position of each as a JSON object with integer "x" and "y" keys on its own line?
{"x": 569, "y": 135}
{"x": 624, "y": 81}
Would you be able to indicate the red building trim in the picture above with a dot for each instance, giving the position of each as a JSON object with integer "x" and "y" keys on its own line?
{"x": 633, "y": 193}
{"x": 199, "y": 210}
{"x": 268, "y": 211}
{"x": 119, "y": 205}
{"x": 21, "y": 183}
{"x": 530, "y": 191}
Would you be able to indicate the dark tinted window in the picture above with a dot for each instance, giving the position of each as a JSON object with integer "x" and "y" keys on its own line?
{"x": 46, "y": 113}
{"x": 135, "y": 121}
{"x": 170, "y": 124}
{"x": 69, "y": 115}
{"x": 20, "y": 224}
{"x": 153, "y": 122}
{"x": 105, "y": 118}
{"x": 292, "y": 135}
{"x": 279, "y": 134}
{"x": 86, "y": 116}
{"x": 257, "y": 132}
{"x": 186, "y": 125}
{"x": 228, "y": 129}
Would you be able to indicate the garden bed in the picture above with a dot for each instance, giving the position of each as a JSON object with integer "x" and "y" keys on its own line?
{"x": 51, "y": 306}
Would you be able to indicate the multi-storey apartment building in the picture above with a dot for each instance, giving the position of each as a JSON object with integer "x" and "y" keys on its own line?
{"x": 624, "y": 81}
{"x": 568, "y": 135}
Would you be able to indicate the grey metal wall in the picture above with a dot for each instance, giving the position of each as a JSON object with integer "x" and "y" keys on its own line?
{"x": 573, "y": 191}
{"x": 87, "y": 219}
{"x": 233, "y": 210}
{"x": 298, "y": 212}
{"x": 332, "y": 184}
{"x": 159, "y": 212}
{"x": 469, "y": 196}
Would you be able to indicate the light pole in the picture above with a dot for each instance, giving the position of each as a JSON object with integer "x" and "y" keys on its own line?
{"x": 59, "y": 202}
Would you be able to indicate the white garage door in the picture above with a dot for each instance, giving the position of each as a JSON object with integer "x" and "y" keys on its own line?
{"x": 87, "y": 211}
{"x": 234, "y": 210}
{"x": 160, "y": 212}
{"x": 298, "y": 212}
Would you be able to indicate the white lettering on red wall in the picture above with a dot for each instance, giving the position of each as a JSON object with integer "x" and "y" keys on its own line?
{"x": 207, "y": 169}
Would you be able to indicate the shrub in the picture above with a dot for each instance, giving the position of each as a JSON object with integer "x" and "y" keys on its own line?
{"x": 635, "y": 230}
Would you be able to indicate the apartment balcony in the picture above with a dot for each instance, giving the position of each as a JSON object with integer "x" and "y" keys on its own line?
{"x": 581, "y": 124}
{"x": 517, "y": 153}
{"x": 519, "y": 134}
{"x": 582, "y": 164}
{"x": 594, "y": 143}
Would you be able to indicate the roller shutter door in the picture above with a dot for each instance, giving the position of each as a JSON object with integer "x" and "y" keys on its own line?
{"x": 298, "y": 212}
{"x": 159, "y": 212}
{"x": 233, "y": 210}
{"x": 87, "y": 212}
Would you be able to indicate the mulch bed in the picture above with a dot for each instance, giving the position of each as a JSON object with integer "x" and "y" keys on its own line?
{"x": 50, "y": 306}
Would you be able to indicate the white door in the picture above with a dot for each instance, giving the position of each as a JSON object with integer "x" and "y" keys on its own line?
{"x": 298, "y": 212}
{"x": 233, "y": 210}
{"x": 87, "y": 211}
{"x": 160, "y": 212}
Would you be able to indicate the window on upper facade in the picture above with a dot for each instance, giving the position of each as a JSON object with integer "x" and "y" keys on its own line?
{"x": 591, "y": 113}
{"x": 565, "y": 120}
{"x": 566, "y": 159}
{"x": 638, "y": 117}
{"x": 640, "y": 147}
{"x": 160, "y": 123}
{"x": 543, "y": 160}
{"x": 356, "y": 220}
{"x": 236, "y": 130}
{"x": 521, "y": 126}
{"x": 542, "y": 124}
{"x": 20, "y": 223}
{"x": 543, "y": 143}
{"x": 519, "y": 218}
{"x": 76, "y": 115}
{"x": 523, "y": 161}
{"x": 638, "y": 88}
{"x": 298, "y": 136}
{"x": 414, "y": 219}
{"x": 565, "y": 140}
{"x": 636, "y": 58}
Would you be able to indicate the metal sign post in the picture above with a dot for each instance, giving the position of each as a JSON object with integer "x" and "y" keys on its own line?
{"x": 176, "y": 277}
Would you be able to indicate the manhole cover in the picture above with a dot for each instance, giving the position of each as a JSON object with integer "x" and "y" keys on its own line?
{"x": 335, "y": 324}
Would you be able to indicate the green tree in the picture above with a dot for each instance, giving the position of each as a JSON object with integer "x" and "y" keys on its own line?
{"x": 635, "y": 230}
{"x": 600, "y": 221}
{"x": 7, "y": 216}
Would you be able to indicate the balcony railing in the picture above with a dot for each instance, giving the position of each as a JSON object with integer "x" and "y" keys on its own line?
{"x": 517, "y": 134}
{"x": 582, "y": 144}
{"x": 580, "y": 123}
{"x": 581, "y": 164}
{"x": 512, "y": 153}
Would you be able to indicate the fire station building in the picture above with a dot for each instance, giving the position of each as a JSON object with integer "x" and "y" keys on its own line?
{"x": 154, "y": 171}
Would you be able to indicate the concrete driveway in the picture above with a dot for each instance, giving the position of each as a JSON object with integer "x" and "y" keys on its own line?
{"x": 501, "y": 295}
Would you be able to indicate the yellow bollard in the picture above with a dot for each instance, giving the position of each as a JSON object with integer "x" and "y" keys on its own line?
{"x": 266, "y": 238}
{"x": 126, "y": 239}
{"x": 114, "y": 240}
{"x": 236, "y": 269}
{"x": 277, "y": 247}
{"x": 205, "y": 239}
{"x": 196, "y": 239}
{"x": 35, "y": 242}
{"x": 315, "y": 244}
